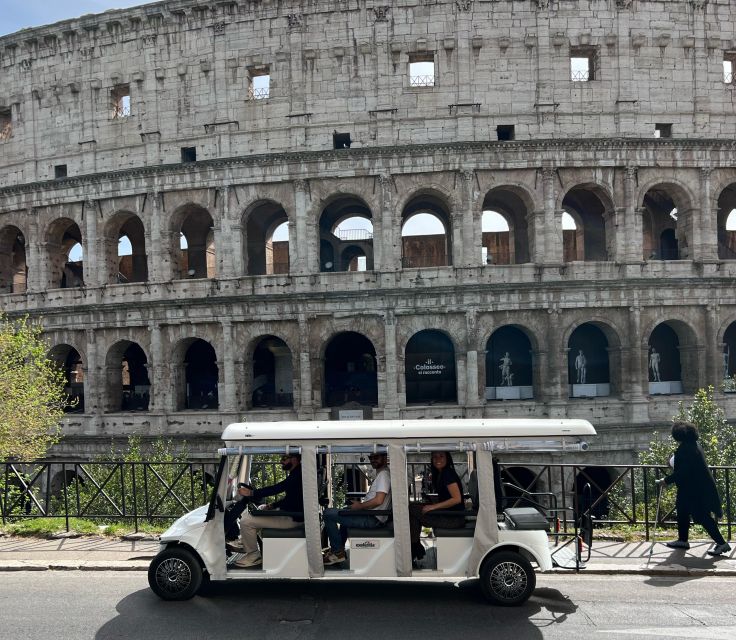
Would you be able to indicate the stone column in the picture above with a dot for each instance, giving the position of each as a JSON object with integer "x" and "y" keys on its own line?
{"x": 611, "y": 218}
{"x": 305, "y": 261}
{"x": 472, "y": 398}
{"x": 391, "y": 400}
{"x": 306, "y": 407}
{"x": 227, "y": 385}
{"x": 713, "y": 349}
{"x": 224, "y": 236}
{"x": 636, "y": 352}
{"x": 160, "y": 400}
{"x": 555, "y": 395}
{"x": 633, "y": 251}
{"x": 535, "y": 222}
{"x": 471, "y": 241}
{"x": 389, "y": 257}
{"x": 552, "y": 218}
{"x": 35, "y": 258}
{"x": 706, "y": 239}
{"x": 160, "y": 249}
{"x": 93, "y": 267}
{"x": 461, "y": 379}
{"x": 94, "y": 391}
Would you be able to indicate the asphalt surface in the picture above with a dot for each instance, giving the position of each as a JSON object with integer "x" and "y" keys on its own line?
{"x": 104, "y": 605}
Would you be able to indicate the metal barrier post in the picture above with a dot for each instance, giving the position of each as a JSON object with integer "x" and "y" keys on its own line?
{"x": 135, "y": 496}
{"x": 66, "y": 495}
{"x": 646, "y": 504}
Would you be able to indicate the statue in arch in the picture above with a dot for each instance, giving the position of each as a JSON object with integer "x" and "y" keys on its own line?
{"x": 505, "y": 366}
{"x": 654, "y": 365}
{"x": 581, "y": 365}
{"x": 726, "y": 357}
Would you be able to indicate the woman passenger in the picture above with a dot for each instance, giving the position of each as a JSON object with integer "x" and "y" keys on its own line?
{"x": 446, "y": 483}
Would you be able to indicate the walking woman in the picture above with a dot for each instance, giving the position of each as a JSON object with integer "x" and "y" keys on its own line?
{"x": 446, "y": 483}
{"x": 697, "y": 495}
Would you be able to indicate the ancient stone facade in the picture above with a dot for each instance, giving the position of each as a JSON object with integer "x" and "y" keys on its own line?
{"x": 195, "y": 130}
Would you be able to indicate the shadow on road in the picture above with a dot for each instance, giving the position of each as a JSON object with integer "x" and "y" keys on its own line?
{"x": 379, "y": 611}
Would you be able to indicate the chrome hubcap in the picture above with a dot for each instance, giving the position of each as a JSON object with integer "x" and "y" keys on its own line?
{"x": 508, "y": 580}
{"x": 173, "y": 575}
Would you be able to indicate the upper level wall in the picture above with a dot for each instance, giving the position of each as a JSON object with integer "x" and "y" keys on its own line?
{"x": 343, "y": 65}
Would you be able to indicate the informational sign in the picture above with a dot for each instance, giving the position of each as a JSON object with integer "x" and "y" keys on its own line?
{"x": 350, "y": 414}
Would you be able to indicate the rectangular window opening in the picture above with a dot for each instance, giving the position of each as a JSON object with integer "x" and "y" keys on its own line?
{"x": 59, "y": 171}
{"x": 120, "y": 99}
{"x": 421, "y": 69}
{"x": 189, "y": 154}
{"x": 663, "y": 130}
{"x": 341, "y": 140}
{"x": 505, "y": 132}
{"x": 6, "y": 124}
{"x": 729, "y": 65}
{"x": 259, "y": 83}
{"x": 583, "y": 64}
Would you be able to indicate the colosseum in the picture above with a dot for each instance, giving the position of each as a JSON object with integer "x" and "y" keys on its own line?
{"x": 352, "y": 208}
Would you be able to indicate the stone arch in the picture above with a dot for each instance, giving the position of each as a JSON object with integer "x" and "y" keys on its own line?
{"x": 70, "y": 361}
{"x": 728, "y": 351}
{"x": 589, "y": 368}
{"x": 589, "y": 204}
{"x": 196, "y": 375}
{"x": 273, "y": 373}
{"x": 673, "y": 358}
{"x": 195, "y": 225}
{"x": 666, "y": 208}
{"x": 63, "y": 236}
{"x": 128, "y": 386}
{"x": 350, "y": 371}
{"x": 430, "y": 371}
{"x": 340, "y": 248}
{"x": 265, "y": 255}
{"x": 726, "y": 208}
{"x": 432, "y": 249}
{"x": 121, "y": 266}
{"x": 515, "y": 205}
{"x": 509, "y": 364}
{"x": 13, "y": 260}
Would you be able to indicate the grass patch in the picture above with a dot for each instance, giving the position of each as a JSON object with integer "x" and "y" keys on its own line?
{"x": 47, "y": 527}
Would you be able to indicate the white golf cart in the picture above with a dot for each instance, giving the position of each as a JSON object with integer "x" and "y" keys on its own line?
{"x": 500, "y": 551}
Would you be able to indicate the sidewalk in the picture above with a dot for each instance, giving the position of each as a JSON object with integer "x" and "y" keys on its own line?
{"x": 105, "y": 554}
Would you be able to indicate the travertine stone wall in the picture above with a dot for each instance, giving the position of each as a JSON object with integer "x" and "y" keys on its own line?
{"x": 343, "y": 66}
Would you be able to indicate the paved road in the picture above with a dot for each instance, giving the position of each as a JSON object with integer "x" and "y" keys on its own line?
{"x": 104, "y": 605}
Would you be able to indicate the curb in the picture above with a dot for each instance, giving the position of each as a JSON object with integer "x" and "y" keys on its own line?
{"x": 91, "y": 565}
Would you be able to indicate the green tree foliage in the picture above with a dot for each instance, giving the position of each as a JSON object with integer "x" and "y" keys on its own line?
{"x": 717, "y": 436}
{"x": 32, "y": 397}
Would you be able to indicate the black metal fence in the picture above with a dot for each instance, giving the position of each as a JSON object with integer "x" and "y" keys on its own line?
{"x": 146, "y": 492}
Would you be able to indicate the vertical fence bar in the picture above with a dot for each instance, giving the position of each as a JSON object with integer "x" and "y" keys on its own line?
{"x": 5, "y": 493}
{"x": 645, "y": 473}
{"x": 135, "y": 496}
{"x": 47, "y": 499}
{"x": 145, "y": 490}
{"x": 729, "y": 519}
{"x": 122, "y": 488}
{"x": 66, "y": 495}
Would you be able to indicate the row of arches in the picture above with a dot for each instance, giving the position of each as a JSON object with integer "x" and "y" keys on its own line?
{"x": 346, "y": 235}
{"x": 350, "y": 368}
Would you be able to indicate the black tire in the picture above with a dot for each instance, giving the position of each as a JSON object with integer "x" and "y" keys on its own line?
{"x": 175, "y": 574}
{"x": 507, "y": 579}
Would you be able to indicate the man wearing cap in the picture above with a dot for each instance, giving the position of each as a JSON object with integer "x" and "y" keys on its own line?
{"x": 293, "y": 500}
{"x": 377, "y": 498}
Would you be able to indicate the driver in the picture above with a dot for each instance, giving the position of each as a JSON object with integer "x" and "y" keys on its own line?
{"x": 250, "y": 524}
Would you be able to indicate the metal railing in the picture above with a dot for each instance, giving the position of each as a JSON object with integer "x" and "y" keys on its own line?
{"x": 259, "y": 93}
{"x": 421, "y": 81}
{"x": 354, "y": 234}
{"x": 580, "y": 76}
{"x": 138, "y": 492}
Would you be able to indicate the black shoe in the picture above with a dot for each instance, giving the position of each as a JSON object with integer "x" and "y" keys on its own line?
{"x": 719, "y": 549}
{"x": 678, "y": 544}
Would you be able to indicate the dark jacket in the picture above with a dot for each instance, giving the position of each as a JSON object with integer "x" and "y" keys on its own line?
{"x": 696, "y": 489}
{"x": 291, "y": 487}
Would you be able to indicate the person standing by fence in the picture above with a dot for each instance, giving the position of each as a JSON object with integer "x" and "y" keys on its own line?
{"x": 697, "y": 495}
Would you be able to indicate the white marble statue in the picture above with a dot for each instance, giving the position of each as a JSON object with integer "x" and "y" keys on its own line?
{"x": 581, "y": 365}
{"x": 505, "y": 366}
{"x": 654, "y": 365}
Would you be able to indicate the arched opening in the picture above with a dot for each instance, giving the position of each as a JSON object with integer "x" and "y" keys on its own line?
{"x": 665, "y": 229}
{"x": 727, "y": 223}
{"x": 591, "y": 488}
{"x": 196, "y": 242}
{"x": 504, "y": 226}
{"x": 13, "y": 266}
{"x": 588, "y": 365}
{"x": 346, "y": 236}
{"x": 672, "y": 361}
{"x": 126, "y": 249}
{"x": 273, "y": 375}
{"x": 426, "y": 238}
{"x": 201, "y": 377}
{"x": 67, "y": 358}
{"x": 586, "y": 206}
{"x": 350, "y": 371}
{"x": 128, "y": 384}
{"x": 729, "y": 358}
{"x": 429, "y": 359}
{"x": 266, "y": 239}
{"x": 65, "y": 254}
{"x": 509, "y": 370}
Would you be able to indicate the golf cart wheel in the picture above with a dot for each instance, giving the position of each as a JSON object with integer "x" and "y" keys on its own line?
{"x": 175, "y": 574}
{"x": 507, "y": 579}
